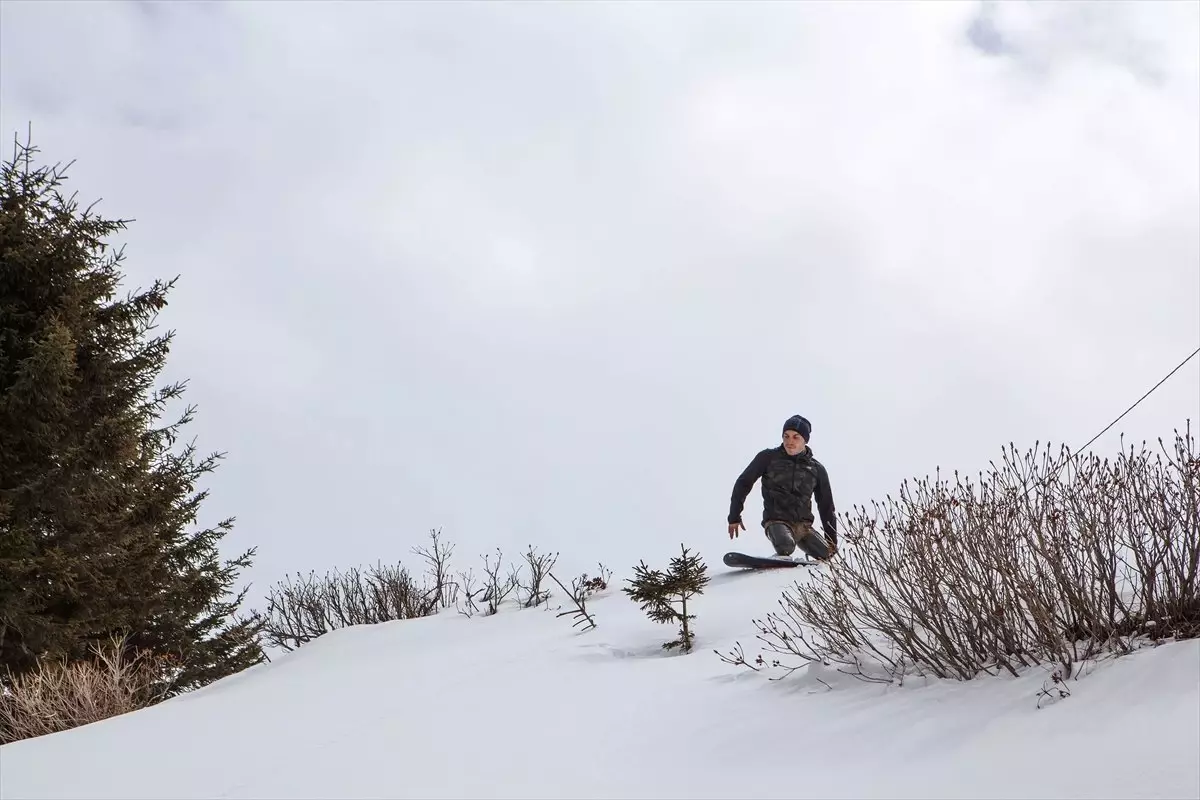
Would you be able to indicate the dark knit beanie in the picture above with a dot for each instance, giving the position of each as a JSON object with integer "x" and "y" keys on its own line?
{"x": 800, "y": 425}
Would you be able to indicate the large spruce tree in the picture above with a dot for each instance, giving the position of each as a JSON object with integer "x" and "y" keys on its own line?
{"x": 98, "y": 500}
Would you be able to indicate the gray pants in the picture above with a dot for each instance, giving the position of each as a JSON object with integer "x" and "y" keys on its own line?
{"x": 786, "y": 536}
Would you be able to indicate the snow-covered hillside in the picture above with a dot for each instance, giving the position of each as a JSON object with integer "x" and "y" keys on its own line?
{"x": 522, "y": 705}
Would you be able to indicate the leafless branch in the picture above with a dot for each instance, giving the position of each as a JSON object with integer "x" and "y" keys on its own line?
{"x": 579, "y": 597}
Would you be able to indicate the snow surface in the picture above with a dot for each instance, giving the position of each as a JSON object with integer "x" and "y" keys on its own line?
{"x": 522, "y": 705}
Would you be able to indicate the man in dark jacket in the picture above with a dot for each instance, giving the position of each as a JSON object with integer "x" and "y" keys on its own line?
{"x": 791, "y": 478}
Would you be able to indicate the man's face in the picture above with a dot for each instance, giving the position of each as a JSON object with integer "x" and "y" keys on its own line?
{"x": 793, "y": 442}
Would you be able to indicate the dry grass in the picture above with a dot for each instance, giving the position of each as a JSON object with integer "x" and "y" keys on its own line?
{"x": 58, "y": 696}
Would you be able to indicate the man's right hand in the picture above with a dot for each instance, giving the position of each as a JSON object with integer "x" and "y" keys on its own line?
{"x": 733, "y": 528}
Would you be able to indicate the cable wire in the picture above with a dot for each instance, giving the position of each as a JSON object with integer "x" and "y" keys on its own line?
{"x": 1143, "y": 397}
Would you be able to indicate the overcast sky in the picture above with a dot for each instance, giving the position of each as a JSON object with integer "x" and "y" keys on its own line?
{"x": 553, "y": 274}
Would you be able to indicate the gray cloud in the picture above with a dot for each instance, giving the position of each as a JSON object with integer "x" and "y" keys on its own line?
{"x": 552, "y": 274}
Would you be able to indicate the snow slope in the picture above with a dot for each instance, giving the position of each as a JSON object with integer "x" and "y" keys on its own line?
{"x": 521, "y": 705}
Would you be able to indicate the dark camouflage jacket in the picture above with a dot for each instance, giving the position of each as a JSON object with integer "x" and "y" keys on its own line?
{"x": 789, "y": 484}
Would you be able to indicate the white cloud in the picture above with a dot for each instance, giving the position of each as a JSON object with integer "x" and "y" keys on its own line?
{"x": 553, "y": 273}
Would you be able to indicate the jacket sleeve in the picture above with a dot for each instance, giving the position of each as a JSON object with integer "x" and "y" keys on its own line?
{"x": 745, "y": 482}
{"x": 825, "y": 505}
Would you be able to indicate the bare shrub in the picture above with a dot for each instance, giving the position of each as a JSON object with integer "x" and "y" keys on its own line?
{"x": 496, "y": 590}
{"x": 59, "y": 696}
{"x": 1046, "y": 560}
{"x": 585, "y": 586}
{"x": 539, "y": 568}
{"x": 299, "y": 612}
{"x": 442, "y": 591}
{"x": 466, "y": 580}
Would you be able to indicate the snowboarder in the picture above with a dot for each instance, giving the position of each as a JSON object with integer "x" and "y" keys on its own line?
{"x": 791, "y": 478}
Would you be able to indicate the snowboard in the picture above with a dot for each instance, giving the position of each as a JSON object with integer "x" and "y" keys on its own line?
{"x": 746, "y": 561}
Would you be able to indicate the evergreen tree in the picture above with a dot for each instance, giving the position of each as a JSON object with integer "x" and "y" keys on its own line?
{"x": 96, "y": 501}
{"x": 657, "y": 591}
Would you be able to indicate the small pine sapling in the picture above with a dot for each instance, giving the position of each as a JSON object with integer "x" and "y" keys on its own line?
{"x": 657, "y": 591}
